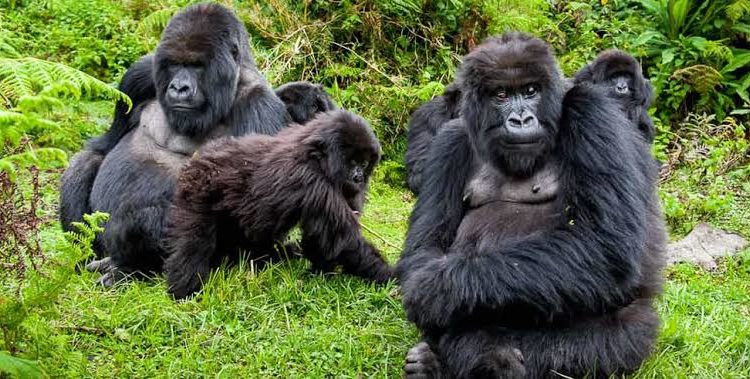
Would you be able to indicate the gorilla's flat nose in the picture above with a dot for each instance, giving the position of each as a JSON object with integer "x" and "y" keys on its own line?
{"x": 525, "y": 120}
{"x": 179, "y": 90}
{"x": 621, "y": 87}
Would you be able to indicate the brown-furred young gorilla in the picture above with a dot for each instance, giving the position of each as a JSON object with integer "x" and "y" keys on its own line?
{"x": 535, "y": 247}
{"x": 245, "y": 194}
{"x": 424, "y": 124}
{"x": 304, "y": 100}
{"x": 621, "y": 76}
{"x": 200, "y": 84}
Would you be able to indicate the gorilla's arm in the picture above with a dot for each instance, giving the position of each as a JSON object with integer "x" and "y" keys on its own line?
{"x": 78, "y": 179}
{"x": 439, "y": 209}
{"x": 257, "y": 110}
{"x": 586, "y": 265}
{"x": 138, "y": 84}
{"x": 332, "y": 234}
{"x": 424, "y": 124}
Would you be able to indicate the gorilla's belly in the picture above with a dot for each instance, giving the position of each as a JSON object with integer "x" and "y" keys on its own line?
{"x": 500, "y": 221}
{"x": 501, "y": 207}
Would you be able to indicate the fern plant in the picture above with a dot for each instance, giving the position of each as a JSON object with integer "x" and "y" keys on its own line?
{"x": 697, "y": 43}
{"x": 30, "y": 90}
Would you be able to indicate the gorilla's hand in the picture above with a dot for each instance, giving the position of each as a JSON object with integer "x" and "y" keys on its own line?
{"x": 450, "y": 286}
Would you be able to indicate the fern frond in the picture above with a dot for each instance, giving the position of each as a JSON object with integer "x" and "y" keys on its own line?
{"x": 701, "y": 77}
{"x": 20, "y": 77}
{"x": 737, "y": 9}
{"x": 154, "y": 23}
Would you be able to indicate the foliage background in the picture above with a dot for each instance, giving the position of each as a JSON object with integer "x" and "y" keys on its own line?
{"x": 59, "y": 62}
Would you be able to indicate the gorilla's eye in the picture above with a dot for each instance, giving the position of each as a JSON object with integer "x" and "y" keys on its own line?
{"x": 235, "y": 51}
{"x": 365, "y": 164}
{"x": 502, "y": 94}
{"x": 530, "y": 91}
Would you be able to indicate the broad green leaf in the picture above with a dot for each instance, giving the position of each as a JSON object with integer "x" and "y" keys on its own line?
{"x": 19, "y": 368}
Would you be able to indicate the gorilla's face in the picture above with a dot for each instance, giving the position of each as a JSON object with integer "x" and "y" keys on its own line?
{"x": 351, "y": 152}
{"x": 620, "y": 84}
{"x": 197, "y": 68}
{"x": 197, "y": 94}
{"x": 512, "y": 108}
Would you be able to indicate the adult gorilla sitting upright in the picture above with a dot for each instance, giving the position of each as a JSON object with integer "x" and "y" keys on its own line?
{"x": 201, "y": 83}
{"x": 535, "y": 245}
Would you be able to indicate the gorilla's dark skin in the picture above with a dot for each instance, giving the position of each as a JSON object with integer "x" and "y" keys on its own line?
{"x": 424, "y": 124}
{"x": 245, "y": 194}
{"x": 536, "y": 243}
{"x": 304, "y": 100}
{"x": 200, "y": 84}
{"x": 620, "y": 75}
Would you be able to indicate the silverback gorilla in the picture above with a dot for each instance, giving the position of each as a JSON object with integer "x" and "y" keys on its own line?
{"x": 622, "y": 78}
{"x": 535, "y": 245}
{"x": 247, "y": 193}
{"x": 206, "y": 85}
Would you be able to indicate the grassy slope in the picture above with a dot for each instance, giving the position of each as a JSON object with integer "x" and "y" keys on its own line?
{"x": 285, "y": 322}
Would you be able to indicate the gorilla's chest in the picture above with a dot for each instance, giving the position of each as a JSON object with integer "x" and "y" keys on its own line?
{"x": 155, "y": 142}
{"x": 501, "y": 207}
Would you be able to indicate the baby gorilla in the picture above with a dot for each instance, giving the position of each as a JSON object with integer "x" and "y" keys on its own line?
{"x": 620, "y": 75}
{"x": 304, "y": 100}
{"x": 246, "y": 194}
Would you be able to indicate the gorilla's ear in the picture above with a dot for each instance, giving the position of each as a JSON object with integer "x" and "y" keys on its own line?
{"x": 317, "y": 148}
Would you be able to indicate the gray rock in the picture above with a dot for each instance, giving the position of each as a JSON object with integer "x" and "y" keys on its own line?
{"x": 703, "y": 245}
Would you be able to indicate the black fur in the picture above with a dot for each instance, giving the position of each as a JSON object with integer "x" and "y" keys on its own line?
{"x": 247, "y": 193}
{"x": 144, "y": 149}
{"x": 611, "y": 64}
{"x": 77, "y": 181}
{"x": 304, "y": 100}
{"x": 423, "y": 126}
{"x": 572, "y": 292}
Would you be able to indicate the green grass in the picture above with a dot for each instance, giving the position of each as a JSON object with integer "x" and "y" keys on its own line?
{"x": 286, "y": 322}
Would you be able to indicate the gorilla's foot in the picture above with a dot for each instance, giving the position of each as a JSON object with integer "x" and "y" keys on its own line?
{"x": 422, "y": 363}
{"x": 504, "y": 362}
{"x": 103, "y": 265}
{"x": 113, "y": 276}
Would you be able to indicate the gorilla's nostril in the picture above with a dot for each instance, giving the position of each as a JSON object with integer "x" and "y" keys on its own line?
{"x": 529, "y": 121}
{"x": 514, "y": 120}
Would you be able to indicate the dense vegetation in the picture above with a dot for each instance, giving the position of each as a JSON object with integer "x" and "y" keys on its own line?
{"x": 59, "y": 61}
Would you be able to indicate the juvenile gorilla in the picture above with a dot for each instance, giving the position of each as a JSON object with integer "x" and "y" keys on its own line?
{"x": 620, "y": 75}
{"x": 247, "y": 193}
{"x": 424, "y": 124}
{"x": 535, "y": 246}
{"x": 304, "y": 100}
{"x": 206, "y": 85}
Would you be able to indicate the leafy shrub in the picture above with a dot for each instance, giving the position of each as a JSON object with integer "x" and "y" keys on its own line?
{"x": 699, "y": 55}
{"x": 31, "y": 279}
{"x": 708, "y": 165}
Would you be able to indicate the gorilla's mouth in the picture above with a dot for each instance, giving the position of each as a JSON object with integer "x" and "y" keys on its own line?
{"x": 183, "y": 107}
{"x": 521, "y": 144}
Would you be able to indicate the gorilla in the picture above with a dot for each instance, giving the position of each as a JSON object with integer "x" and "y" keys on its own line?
{"x": 423, "y": 126}
{"x": 201, "y": 83}
{"x": 622, "y": 78}
{"x": 304, "y": 100}
{"x": 247, "y": 193}
{"x": 535, "y": 247}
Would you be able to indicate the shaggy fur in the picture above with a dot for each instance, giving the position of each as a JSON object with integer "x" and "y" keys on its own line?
{"x": 247, "y": 193}
{"x": 130, "y": 171}
{"x": 612, "y": 65}
{"x": 571, "y": 293}
{"x": 304, "y": 100}
{"x": 424, "y": 124}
